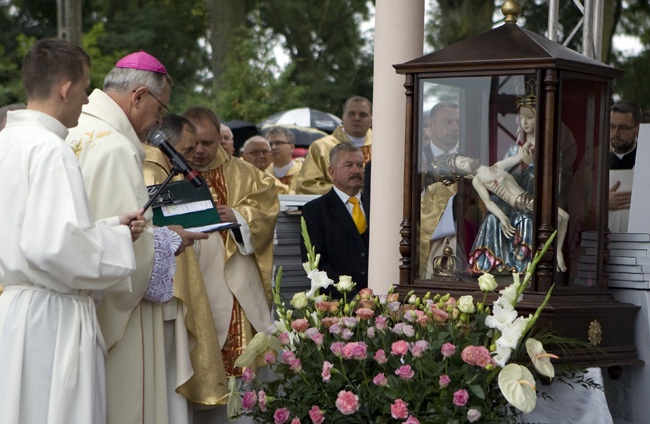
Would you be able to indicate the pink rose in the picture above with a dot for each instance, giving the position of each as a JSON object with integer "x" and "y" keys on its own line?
{"x": 295, "y": 365}
{"x": 261, "y": 398}
{"x": 380, "y": 380}
{"x": 365, "y": 313}
{"x": 418, "y": 348}
{"x": 300, "y": 325}
{"x": 249, "y": 400}
{"x": 444, "y": 381}
{"x": 329, "y": 321}
{"x": 316, "y": 415}
{"x": 347, "y": 402}
{"x": 405, "y": 373}
{"x": 248, "y": 375}
{"x": 476, "y": 355}
{"x": 288, "y": 356}
{"x": 322, "y": 306}
{"x": 399, "y": 409}
{"x": 448, "y": 350}
{"x": 381, "y": 322}
{"x": 295, "y": 421}
{"x": 473, "y": 415}
{"x": 399, "y": 347}
{"x": 281, "y": 415}
{"x": 365, "y": 293}
{"x": 461, "y": 397}
{"x": 326, "y": 371}
{"x": 424, "y": 320}
{"x": 269, "y": 357}
{"x": 337, "y": 348}
{"x": 438, "y": 314}
{"x": 380, "y": 357}
{"x": 411, "y": 420}
{"x": 284, "y": 338}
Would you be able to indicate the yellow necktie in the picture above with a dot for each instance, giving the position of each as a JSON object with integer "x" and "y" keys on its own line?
{"x": 357, "y": 215}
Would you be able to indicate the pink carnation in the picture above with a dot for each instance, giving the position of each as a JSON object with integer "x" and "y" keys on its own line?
{"x": 476, "y": 355}
{"x": 461, "y": 397}
{"x": 399, "y": 409}
{"x": 326, "y": 371}
{"x": 444, "y": 381}
{"x": 261, "y": 398}
{"x": 448, "y": 350}
{"x": 399, "y": 347}
{"x": 248, "y": 375}
{"x": 347, "y": 402}
{"x": 411, "y": 420}
{"x": 249, "y": 400}
{"x": 316, "y": 415}
{"x": 281, "y": 415}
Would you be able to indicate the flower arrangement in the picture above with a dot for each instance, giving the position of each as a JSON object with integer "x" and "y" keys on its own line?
{"x": 376, "y": 359}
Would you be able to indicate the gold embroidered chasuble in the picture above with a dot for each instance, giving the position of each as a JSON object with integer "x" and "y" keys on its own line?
{"x": 239, "y": 281}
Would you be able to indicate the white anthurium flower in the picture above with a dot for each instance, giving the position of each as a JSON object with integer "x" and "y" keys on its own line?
{"x": 319, "y": 280}
{"x": 487, "y": 283}
{"x": 466, "y": 304}
{"x": 518, "y": 387}
{"x": 502, "y": 316}
{"x": 541, "y": 359}
{"x": 345, "y": 284}
{"x": 299, "y": 300}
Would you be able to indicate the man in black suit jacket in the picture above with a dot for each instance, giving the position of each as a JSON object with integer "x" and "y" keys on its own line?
{"x": 332, "y": 230}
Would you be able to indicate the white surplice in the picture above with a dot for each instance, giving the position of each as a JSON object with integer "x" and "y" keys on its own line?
{"x": 52, "y": 254}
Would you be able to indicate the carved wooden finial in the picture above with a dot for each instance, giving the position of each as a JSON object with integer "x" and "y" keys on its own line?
{"x": 511, "y": 9}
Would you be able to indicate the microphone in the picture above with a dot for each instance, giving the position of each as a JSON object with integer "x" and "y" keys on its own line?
{"x": 158, "y": 139}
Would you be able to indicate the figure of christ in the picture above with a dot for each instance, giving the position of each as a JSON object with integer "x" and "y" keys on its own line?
{"x": 497, "y": 180}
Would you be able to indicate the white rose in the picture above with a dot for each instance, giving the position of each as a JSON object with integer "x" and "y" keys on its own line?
{"x": 299, "y": 300}
{"x": 466, "y": 304}
{"x": 345, "y": 284}
{"x": 487, "y": 283}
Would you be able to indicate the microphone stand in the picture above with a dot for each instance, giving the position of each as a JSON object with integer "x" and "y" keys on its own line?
{"x": 153, "y": 197}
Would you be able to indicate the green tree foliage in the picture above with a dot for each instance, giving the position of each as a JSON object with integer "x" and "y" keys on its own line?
{"x": 455, "y": 20}
{"x": 325, "y": 45}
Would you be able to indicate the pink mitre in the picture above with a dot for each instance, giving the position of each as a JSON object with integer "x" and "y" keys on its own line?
{"x": 142, "y": 61}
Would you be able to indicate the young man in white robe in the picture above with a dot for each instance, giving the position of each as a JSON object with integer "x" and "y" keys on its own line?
{"x": 53, "y": 255}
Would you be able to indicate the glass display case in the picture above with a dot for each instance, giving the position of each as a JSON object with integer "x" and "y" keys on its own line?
{"x": 506, "y": 143}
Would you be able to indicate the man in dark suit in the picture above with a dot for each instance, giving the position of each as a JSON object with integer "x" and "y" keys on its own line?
{"x": 341, "y": 240}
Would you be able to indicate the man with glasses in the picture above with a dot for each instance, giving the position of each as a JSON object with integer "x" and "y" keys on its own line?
{"x": 109, "y": 143}
{"x": 257, "y": 152}
{"x": 624, "y": 120}
{"x": 285, "y": 168}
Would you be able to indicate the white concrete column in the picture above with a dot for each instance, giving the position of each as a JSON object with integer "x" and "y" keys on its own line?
{"x": 399, "y": 37}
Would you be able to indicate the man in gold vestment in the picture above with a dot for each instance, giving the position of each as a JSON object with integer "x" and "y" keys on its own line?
{"x": 314, "y": 176}
{"x": 237, "y": 264}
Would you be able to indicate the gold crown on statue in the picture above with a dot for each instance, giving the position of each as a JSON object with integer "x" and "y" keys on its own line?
{"x": 529, "y": 98}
